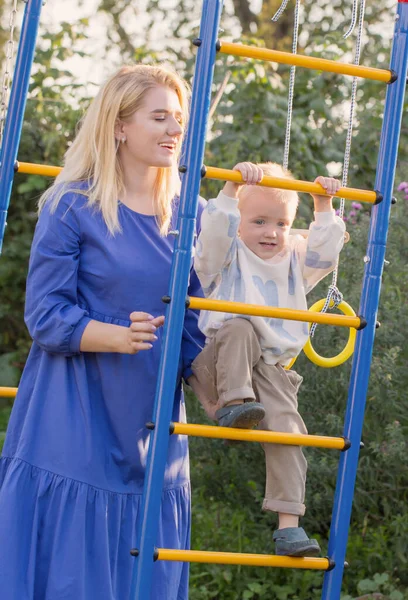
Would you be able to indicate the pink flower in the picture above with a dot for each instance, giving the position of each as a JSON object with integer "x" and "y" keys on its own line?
{"x": 352, "y": 213}
{"x": 345, "y": 218}
{"x": 402, "y": 186}
{"x": 357, "y": 205}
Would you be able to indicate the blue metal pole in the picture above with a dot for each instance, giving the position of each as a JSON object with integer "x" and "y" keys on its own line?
{"x": 368, "y": 308}
{"x": 159, "y": 438}
{"x": 18, "y": 98}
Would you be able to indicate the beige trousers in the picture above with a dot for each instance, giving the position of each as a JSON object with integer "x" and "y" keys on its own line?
{"x": 231, "y": 367}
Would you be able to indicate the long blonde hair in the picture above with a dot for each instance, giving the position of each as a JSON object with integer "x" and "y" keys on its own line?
{"x": 93, "y": 156}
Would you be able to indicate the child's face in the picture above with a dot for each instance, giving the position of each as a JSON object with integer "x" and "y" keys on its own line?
{"x": 265, "y": 221}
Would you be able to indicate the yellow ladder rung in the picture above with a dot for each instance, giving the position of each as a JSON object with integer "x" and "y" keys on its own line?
{"x": 291, "y": 314}
{"x": 8, "y": 392}
{"x": 310, "y": 62}
{"x": 254, "y": 435}
{"x": 230, "y": 175}
{"x": 231, "y": 558}
{"x": 295, "y": 185}
{"x": 33, "y": 169}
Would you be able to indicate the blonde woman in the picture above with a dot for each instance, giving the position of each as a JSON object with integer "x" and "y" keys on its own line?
{"x": 72, "y": 469}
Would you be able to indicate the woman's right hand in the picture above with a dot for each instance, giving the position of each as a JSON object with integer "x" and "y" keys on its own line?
{"x": 140, "y": 335}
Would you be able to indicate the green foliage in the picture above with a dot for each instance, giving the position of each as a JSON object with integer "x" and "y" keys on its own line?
{"x": 375, "y": 588}
{"x": 50, "y": 120}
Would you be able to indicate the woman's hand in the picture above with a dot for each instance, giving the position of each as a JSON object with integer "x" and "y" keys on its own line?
{"x": 106, "y": 337}
{"x": 140, "y": 335}
{"x": 251, "y": 174}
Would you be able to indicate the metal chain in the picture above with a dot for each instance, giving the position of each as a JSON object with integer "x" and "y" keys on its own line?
{"x": 291, "y": 88}
{"x": 334, "y": 296}
{"x": 280, "y": 10}
{"x": 291, "y": 78}
{"x": 7, "y": 70}
{"x": 353, "y": 20}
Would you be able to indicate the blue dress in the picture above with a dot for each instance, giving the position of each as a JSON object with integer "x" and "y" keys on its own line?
{"x": 72, "y": 469}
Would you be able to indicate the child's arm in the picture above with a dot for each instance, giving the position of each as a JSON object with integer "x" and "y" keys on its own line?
{"x": 324, "y": 203}
{"x": 320, "y": 254}
{"x": 219, "y": 226}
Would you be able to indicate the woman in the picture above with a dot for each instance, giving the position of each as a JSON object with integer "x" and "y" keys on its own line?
{"x": 73, "y": 463}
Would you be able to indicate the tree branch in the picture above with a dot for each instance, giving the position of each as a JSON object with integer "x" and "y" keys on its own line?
{"x": 219, "y": 94}
{"x": 245, "y": 15}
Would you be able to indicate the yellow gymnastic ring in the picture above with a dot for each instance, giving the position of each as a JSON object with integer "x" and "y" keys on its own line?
{"x": 347, "y": 351}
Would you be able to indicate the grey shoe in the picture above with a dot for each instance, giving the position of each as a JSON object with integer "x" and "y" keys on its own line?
{"x": 293, "y": 541}
{"x": 243, "y": 416}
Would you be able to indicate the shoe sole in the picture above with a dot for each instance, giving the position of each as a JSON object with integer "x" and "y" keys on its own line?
{"x": 305, "y": 552}
{"x": 247, "y": 420}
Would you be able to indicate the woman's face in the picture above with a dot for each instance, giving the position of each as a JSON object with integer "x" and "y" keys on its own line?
{"x": 154, "y": 131}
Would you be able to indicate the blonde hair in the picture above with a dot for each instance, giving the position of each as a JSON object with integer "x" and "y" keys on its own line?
{"x": 274, "y": 170}
{"x": 93, "y": 156}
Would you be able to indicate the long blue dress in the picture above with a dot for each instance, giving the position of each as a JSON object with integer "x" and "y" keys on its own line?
{"x": 72, "y": 469}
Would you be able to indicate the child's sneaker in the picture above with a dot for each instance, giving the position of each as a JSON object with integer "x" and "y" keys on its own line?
{"x": 293, "y": 541}
{"x": 243, "y": 416}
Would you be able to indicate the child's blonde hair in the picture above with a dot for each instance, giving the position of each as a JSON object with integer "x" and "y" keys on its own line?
{"x": 275, "y": 170}
{"x": 93, "y": 156}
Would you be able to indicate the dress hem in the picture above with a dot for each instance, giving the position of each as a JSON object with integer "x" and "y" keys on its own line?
{"x": 166, "y": 488}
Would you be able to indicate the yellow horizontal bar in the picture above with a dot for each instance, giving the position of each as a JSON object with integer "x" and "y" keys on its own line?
{"x": 8, "y": 392}
{"x": 251, "y": 435}
{"x": 293, "y": 184}
{"x": 230, "y": 175}
{"x": 310, "y": 62}
{"x": 231, "y": 558}
{"x": 33, "y": 169}
{"x": 291, "y": 314}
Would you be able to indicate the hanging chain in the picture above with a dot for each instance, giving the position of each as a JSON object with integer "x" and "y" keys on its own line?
{"x": 291, "y": 88}
{"x": 353, "y": 20}
{"x": 291, "y": 78}
{"x": 280, "y": 11}
{"x": 334, "y": 296}
{"x": 7, "y": 70}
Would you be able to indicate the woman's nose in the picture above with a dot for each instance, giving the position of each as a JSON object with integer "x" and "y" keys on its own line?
{"x": 175, "y": 128}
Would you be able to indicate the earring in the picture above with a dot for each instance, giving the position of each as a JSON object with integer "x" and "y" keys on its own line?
{"x": 123, "y": 140}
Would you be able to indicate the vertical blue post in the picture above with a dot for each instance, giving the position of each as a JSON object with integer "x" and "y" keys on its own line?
{"x": 18, "y": 98}
{"x": 368, "y": 308}
{"x": 159, "y": 438}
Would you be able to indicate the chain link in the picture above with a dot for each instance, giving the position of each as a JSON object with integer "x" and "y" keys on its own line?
{"x": 280, "y": 11}
{"x": 333, "y": 294}
{"x": 291, "y": 88}
{"x": 7, "y": 70}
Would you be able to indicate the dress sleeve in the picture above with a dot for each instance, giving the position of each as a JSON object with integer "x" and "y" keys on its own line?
{"x": 219, "y": 230}
{"x": 193, "y": 340}
{"x": 52, "y": 315}
{"x": 320, "y": 252}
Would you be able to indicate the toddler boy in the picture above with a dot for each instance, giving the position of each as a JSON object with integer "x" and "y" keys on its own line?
{"x": 245, "y": 253}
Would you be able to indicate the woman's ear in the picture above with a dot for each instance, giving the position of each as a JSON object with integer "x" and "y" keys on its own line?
{"x": 119, "y": 131}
